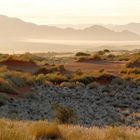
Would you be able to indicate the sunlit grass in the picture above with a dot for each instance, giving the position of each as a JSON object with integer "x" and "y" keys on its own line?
{"x": 14, "y": 130}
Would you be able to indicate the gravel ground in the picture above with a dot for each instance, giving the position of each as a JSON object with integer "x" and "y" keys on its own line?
{"x": 113, "y": 104}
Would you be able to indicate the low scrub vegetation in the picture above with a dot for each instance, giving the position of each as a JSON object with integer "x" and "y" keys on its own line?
{"x": 87, "y": 78}
{"x": 3, "y": 99}
{"x": 82, "y": 54}
{"x": 131, "y": 74}
{"x": 129, "y": 71}
{"x": 95, "y": 57}
{"x": 134, "y": 62}
{"x": 56, "y": 78}
{"x": 132, "y": 68}
{"x": 51, "y": 74}
{"x": 6, "y": 86}
{"x": 27, "y": 57}
{"x": 98, "y": 56}
{"x": 19, "y": 79}
{"x": 122, "y": 57}
{"x": 50, "y": 69}
{"x": 10, "y": 80}
{"x": 83, "y": 78}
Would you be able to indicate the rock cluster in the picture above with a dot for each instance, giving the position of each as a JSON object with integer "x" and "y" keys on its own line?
{"x": 112, "y": 104}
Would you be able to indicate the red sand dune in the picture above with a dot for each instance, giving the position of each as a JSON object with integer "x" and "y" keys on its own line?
{"x": 23, "y": 91}
{"x": 134, "y": 65}
{"x": 111, "y": 67}
{"x": 20, "y": 65}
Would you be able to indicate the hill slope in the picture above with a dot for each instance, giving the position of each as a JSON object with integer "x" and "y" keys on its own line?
{"x": 18, "y": 29}
{"x": 132, "y": 27}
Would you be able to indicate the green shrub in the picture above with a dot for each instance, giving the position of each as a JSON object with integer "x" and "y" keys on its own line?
{"x": 111, "y": 56}
{"x": 97, "y": 57}
{"x": 5, "y": 86}
{"x": 56, "y": 78}
{"x": 3, "y": 57}
{"x": 3, "y": 99}
{"x": 41, "y": 78}
{"x": 129, "y": 71}
{"x": 123, "y": 57}
{"x": 105, "y": 77}
{"x": 26, "y": 57}
{"x": 84, "y": 78}
{"x": 43, "y": 70}
{"x": 100, "y": 53}
{"x": 134, "y": 62}
{"x": 50, "y": 69}
{"x": 106, "y": 50}
{"x": 19, "y": 79}
{"x": 82, "y": 54}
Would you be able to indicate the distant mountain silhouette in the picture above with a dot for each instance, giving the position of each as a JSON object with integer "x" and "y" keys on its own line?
{"x": 14, "y": 28}
{"x": 132, "y": 27}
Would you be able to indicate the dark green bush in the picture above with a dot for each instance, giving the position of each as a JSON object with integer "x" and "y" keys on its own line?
{"x": 82, "y": 54}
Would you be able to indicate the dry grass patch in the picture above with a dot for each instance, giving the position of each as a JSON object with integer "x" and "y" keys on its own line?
{"x": 45, "y": 131}
{"x": 42, "y": 130}
{"x": 108, "y": 133}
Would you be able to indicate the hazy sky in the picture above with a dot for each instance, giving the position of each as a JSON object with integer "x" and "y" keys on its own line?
{"x": 73, "y": 11}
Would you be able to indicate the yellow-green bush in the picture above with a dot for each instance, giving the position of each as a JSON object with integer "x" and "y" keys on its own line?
{"x": 6, "y": 86}
{"x": 56, "y": 78}
{"x": 83, "y": 78}
{"x": 134, "y": 62}
{"x": 19, "y": 79}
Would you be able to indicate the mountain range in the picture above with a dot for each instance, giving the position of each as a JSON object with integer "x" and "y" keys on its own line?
{"x": 132, "y": 27}
{"x": 14, "y": 28}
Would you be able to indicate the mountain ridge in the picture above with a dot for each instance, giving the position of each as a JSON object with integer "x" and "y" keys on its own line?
{"x": 132, "y": 27}
{"x": 19, "y": 29}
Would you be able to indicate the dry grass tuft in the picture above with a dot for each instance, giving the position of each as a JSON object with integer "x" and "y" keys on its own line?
{"x": 65, "y": 115}
{"x": 42, "y": 130}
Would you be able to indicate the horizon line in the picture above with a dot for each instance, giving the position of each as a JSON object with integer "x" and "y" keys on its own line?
{"x": 70, "y": 24}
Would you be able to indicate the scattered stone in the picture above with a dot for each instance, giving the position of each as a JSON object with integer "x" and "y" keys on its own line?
{"x": 94, "y": 105}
